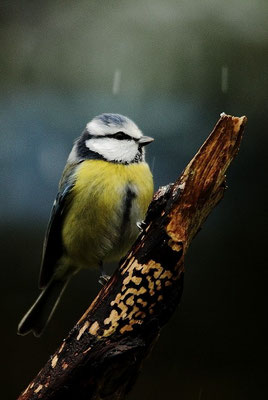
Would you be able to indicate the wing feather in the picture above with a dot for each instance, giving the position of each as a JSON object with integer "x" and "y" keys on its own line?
{"x": 53, "y": 247}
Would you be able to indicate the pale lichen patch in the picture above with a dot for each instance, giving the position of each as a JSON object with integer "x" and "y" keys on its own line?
{"x": 65, "y": 365}
{"x": 176, "y": 246}
{"x": 144, "y": 268}
{"x": 136, "y": 292}
{"x": 126, "y": 328}
{"x": 113, "y": 319}
{"x": 133, "y": 311}
{"x": 136, "y": 322}
{"x": 94, "y": 328}
{"x": 130, "y": 301}
{"x": 129, "y": 327}
{"x": 26, "y": 390}
{"x": 140, "y": 314}
{"x": 82, "y": 330}
{"x": 124, "y": 310}
{"x": 111, "y": 330}
{"x": 166, "y": 274}
{"x": 158, "y": 273}
{"x": 37, "y": 390}
{"x": 129, "y": 296}
{"x": 142, "y": 302}
{"x": 158, "y": 284}
{"x": 61, "y": 347}
{"x": 87, "y": 350}
{"x": 54, "y": 361}
{"x": 151, "y": 265}
{"x": 116, "y": 300}
{"x": 150, "y": 285}
{"x": 113, "y": 316}
{"x": 128, "y": 278}
{"x": 137, "y": 280}
{"x": 130, "y": 266}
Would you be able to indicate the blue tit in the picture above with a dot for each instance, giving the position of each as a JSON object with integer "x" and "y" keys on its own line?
{"x": 105, "y": 190}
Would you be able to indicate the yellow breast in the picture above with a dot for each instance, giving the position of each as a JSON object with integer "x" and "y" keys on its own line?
{"x": 92, "y": 229}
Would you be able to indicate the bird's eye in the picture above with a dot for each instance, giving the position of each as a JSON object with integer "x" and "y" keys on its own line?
{"x": 121, "y": 136}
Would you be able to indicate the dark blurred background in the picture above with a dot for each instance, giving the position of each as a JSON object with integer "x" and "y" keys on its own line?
{"x": 173, "y": 67}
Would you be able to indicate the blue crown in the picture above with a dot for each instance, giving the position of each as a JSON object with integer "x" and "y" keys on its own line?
{"x": 112, "y": 119}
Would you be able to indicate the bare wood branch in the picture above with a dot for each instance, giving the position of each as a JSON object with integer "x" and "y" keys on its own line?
{"x": 103, "y": 353}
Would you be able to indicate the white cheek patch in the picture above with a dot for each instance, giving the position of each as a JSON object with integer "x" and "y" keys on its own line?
{"x": 113, "y": 149}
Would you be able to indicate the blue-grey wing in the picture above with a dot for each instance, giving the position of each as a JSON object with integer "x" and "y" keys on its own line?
{"x": 53, "y": 247}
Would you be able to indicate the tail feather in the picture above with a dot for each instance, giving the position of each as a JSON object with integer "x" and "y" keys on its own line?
{"x": 39, "y": 314}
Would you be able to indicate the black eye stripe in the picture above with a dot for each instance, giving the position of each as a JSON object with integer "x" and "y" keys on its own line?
{"x": 120, "y": 136}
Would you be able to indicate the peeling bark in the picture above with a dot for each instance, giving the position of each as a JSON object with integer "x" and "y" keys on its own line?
{"x": 102, "y": 354}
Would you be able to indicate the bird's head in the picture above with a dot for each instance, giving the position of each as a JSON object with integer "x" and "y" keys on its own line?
{"x": 111, "y": 137}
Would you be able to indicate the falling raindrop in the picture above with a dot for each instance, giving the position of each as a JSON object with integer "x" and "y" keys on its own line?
{"x": 224, "y": 79}
{"x": 116, "y": 81}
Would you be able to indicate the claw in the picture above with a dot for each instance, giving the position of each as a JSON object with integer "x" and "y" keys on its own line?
{"x": 141, "y": 225}
{"x": 103, "y": 279}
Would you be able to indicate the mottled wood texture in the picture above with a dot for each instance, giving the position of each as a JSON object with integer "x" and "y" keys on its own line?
{"x": 102, "y": 354}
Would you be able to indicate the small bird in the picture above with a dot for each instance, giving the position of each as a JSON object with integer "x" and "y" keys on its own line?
{"x": 104, "y": 193}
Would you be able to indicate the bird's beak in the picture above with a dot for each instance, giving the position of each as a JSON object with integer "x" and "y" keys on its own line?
{"x": 144, "y": 140}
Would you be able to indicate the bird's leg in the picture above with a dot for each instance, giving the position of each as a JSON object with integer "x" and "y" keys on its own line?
{"x": 103, "y": 279}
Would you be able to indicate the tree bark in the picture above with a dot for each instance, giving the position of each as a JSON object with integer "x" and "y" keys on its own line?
{"x": 102, "y": 354}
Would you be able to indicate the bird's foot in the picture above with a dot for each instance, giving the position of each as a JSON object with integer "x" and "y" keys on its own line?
{"x": 141, "y": 225}
{"x": 104, "y": 279}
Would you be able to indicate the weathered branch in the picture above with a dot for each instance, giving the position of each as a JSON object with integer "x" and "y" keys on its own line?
{"x": 102, "y": 354}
